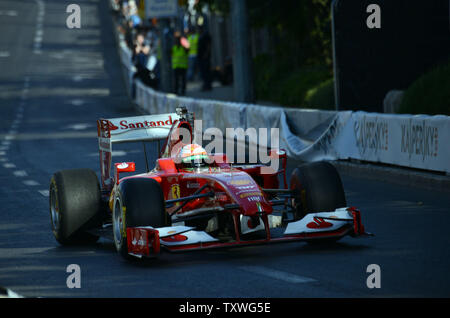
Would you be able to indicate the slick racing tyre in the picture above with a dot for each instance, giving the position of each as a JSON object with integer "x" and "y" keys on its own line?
{"x": 138, "y": 202}
{"x": 75, "y": 205}
{"x": 318, "y": 188}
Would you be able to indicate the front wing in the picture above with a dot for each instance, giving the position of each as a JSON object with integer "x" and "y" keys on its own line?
{"x": 146, "y": 241}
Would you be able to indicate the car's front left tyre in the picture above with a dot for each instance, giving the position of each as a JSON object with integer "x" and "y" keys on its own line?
{"x": 318, "y": 188}
{"x": 138, "y": 202}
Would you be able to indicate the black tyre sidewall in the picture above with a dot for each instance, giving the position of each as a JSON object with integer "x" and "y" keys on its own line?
{"x": 141, "y": 202}
{"x": 78, "y": 197}
{"x": 318, "y": 188}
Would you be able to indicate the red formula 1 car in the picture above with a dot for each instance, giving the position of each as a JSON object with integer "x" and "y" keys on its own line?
{"x": 193, "y": 200}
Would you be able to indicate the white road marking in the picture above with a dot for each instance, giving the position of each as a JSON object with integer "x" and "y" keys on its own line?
{"x": 115, "y": 153}
{"x": 3, "y": 159}
{"x": 11, "y": 13}
{"x": 2, "y": 153}
{"x": 58, "y": 56}
{"x": 45, "y": 193}
{"x": 39, "y": 31}
{"x": 3, "y": 148}
{"x": 30, "y": 183}
{"x": 77, "y": 102}
{"x": 4, "y": 54}
{"x": 62, "y": 135}
{"x": 79, "y": 126}
{"x": 9, "y": 165}
{"x": 20, "y": 173}
{"x": 77, "y": 78}
{"x": 276, "y": 274}
{"x": 118, "y": 153}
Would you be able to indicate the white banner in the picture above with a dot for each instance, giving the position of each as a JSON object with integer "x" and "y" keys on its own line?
{"x": 418, "y": 141}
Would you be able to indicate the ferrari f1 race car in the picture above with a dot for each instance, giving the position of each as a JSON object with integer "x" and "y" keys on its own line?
{"x": 192, "y": 199}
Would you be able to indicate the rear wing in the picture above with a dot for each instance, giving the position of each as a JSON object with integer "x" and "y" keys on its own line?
{"x": 129, "y": 129}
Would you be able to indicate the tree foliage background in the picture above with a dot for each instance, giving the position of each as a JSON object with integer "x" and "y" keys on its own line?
{"x": 300, "y": 55}
{"x": 301, "y": 29}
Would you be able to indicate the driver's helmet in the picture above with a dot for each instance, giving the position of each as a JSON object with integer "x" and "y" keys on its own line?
{"x": 193, "y": 156}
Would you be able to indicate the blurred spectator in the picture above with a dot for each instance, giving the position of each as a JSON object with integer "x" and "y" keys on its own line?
{"x": 179, "y": 64}
{"x": 141, "y": 51}
{"x": 141, "y": 54}
{"x": 192, "y": 37}
{"x": 132, "y": 8}
{"x": 136, "y": 20}
{"x": 125, "y": 10}
{"x": 204, "y": 58}
{"x": 115, "y": 6}
{"x": 129, "y": 34}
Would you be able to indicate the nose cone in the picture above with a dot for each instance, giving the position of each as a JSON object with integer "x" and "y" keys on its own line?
{"x": 246, "y": 192}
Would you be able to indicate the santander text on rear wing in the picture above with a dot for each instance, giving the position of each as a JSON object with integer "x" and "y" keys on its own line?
{"x": 129, "y": 129}
{"x": 138, "y": 128}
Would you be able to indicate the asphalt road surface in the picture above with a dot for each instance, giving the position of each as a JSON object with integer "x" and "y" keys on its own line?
{"x": 56, "y": 82}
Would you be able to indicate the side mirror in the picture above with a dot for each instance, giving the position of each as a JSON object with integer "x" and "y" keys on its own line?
{"x": 280, "y": 154}
{"x": 124, "y": 167}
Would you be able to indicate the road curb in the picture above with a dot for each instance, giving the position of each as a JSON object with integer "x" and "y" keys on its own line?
{"x": 398, "y": 175}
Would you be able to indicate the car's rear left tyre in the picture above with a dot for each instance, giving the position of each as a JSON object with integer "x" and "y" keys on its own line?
{"x": 138, "y": 202}
{"x": 75, "y": 205}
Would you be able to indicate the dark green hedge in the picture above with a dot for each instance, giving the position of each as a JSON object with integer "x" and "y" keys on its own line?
{"x": 429, "y": 94}
{"x": 287, "y": 87}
